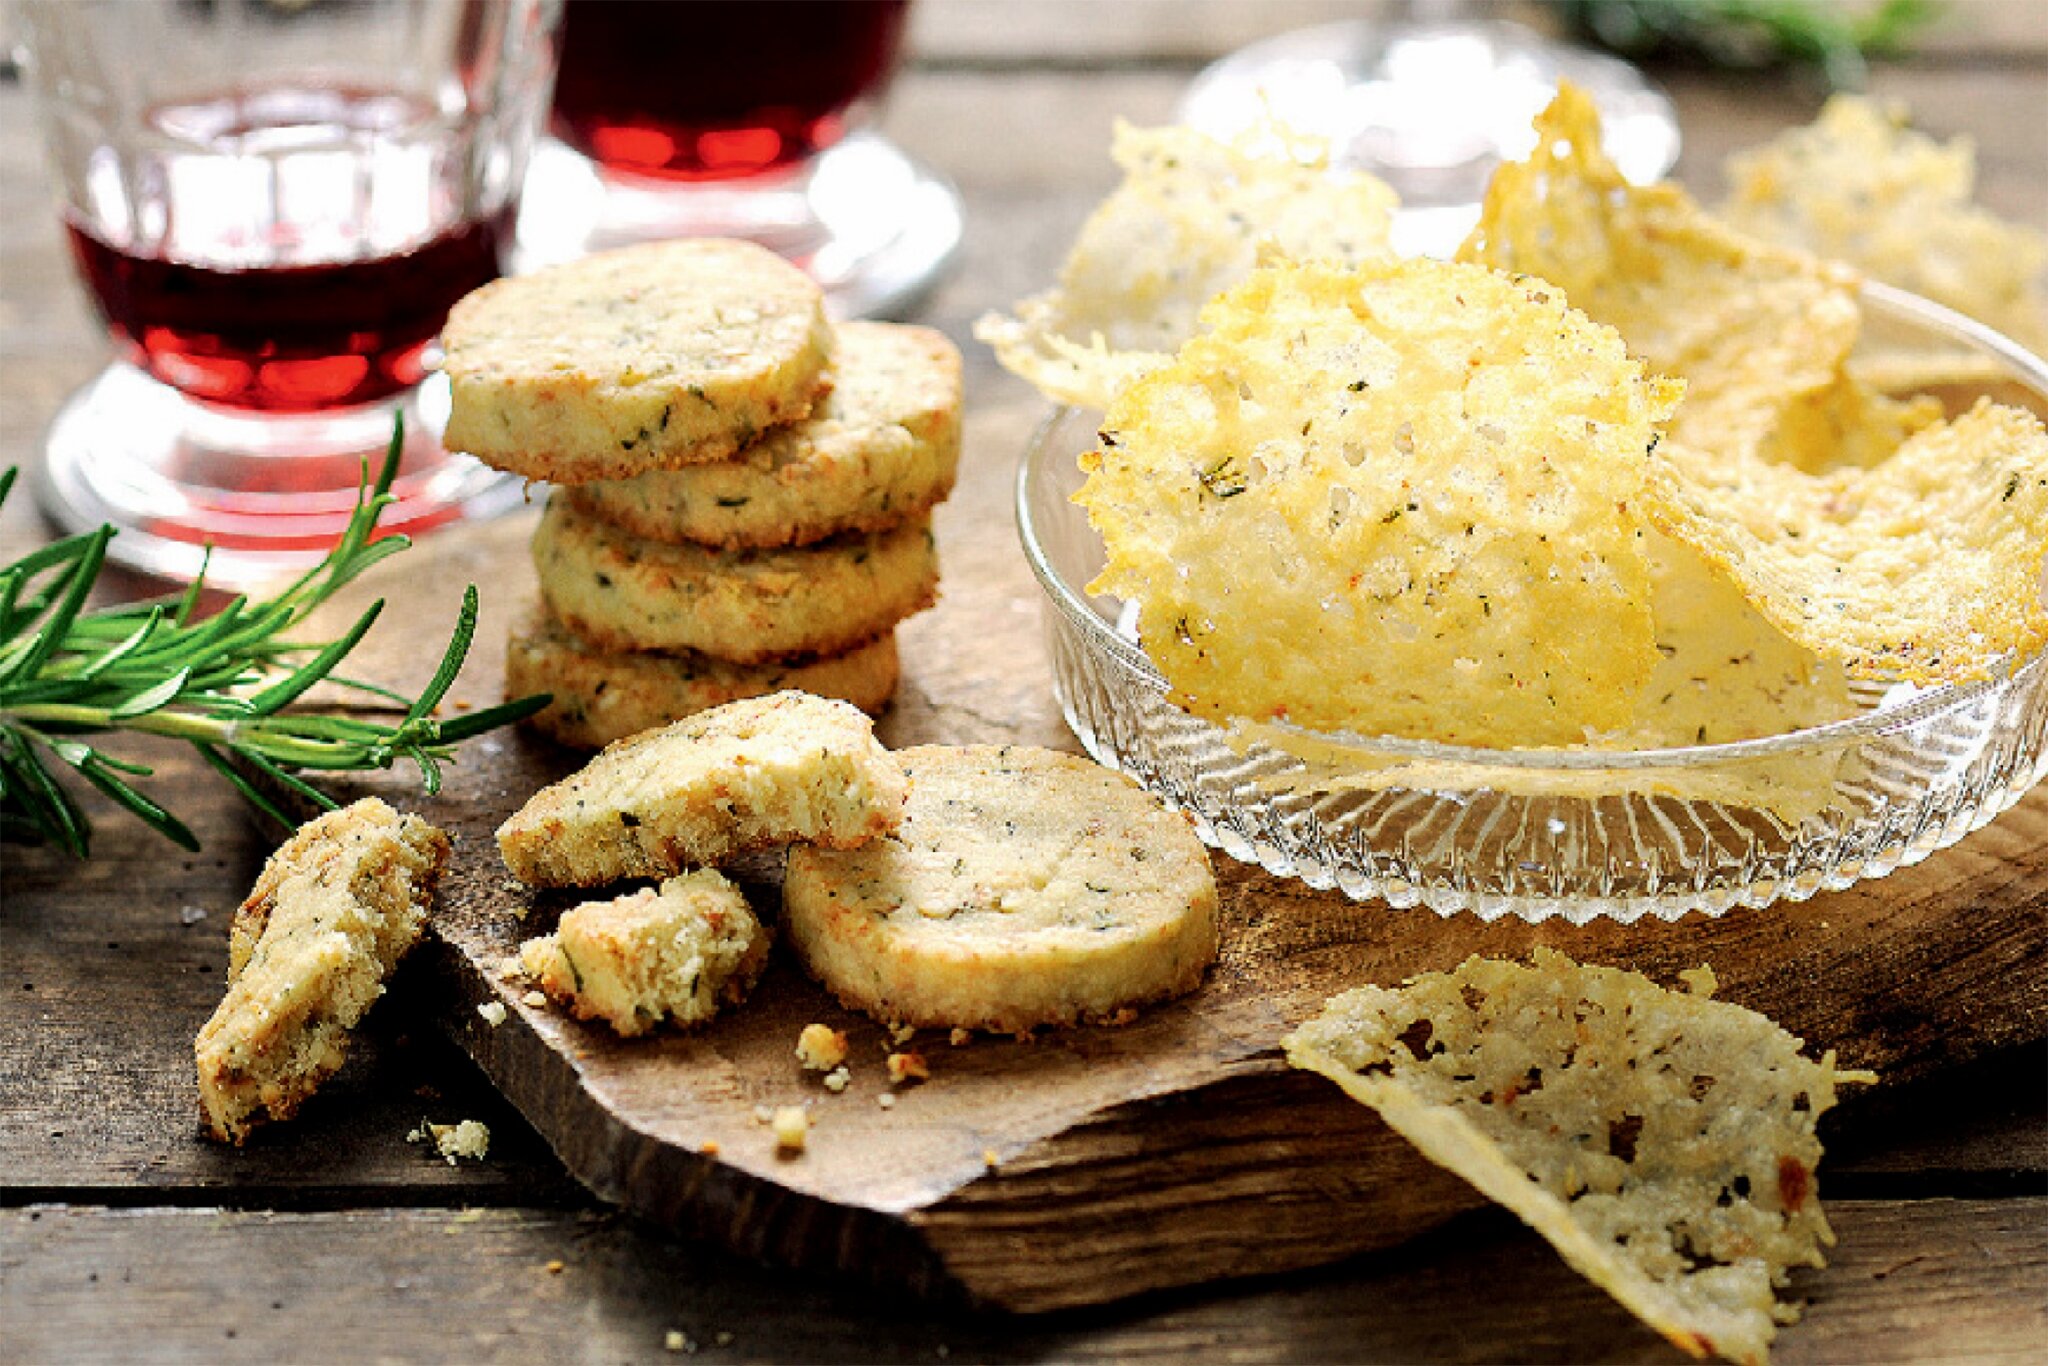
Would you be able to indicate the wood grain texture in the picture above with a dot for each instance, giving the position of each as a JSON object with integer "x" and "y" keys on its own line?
{"x": 1934, "y": 1280}
{"x": 1175, "y": 1150}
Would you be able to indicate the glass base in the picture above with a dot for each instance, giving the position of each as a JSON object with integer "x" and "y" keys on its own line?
{"x": 873, "y": 227}
{"x": 1430, "y": 108}
{"x": 271, "y": 493}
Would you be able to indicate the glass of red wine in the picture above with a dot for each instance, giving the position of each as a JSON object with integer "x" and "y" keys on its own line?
{"x": 740, "y": 118}
{"x": 273, "y": 203}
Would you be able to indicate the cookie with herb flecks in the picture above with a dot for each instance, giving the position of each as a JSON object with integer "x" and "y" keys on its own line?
{"x": 606, "y": 695}
{"x": 623, "y": 592}
{"x": 649, "y": 357}
{"x": 879, "y": 450}
{"x": 333, "y": 911}
{"x": 1024, "y": 887}
{"x": 765, "y": 771}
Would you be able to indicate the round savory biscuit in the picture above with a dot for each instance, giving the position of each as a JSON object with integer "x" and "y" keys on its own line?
{"x": 606, "y": 695}
{"x": 649, "y": 357}
{"x": 1023, "y": 888}
{"x": 881, "y": 448}
{"x": 624, "y": 592}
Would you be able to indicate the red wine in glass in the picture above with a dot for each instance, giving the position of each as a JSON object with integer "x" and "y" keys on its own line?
{"x": 718, "y": 90}
{"x": 293, "y": 281}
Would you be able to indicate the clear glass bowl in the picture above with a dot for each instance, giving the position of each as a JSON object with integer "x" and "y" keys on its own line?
{"x": 1539, "y": 833}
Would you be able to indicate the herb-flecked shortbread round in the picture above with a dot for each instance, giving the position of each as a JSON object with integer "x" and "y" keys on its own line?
{"x": 880, "y": 449}
{"x": 624, "y": 592}
{"x": 606, "y": 695}
{"x": 649, "y": 357}
{"x": 1023, "y": 888}
{"x": 767, "y": 770}
{"x": 676, "y": 952}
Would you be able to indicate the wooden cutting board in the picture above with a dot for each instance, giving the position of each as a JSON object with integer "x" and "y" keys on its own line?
{"x": 1097, "y": 1163}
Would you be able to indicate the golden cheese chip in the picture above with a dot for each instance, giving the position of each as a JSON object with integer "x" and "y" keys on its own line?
{"x": 1186, "y": 223}
{"x": 1860, "y": 186}
{"x": 1760, "y": 334}
{"x": 1926, "y": 568}
{"x": 1388, "y": 500}
{"x": 1662, "y": 1142}
{"x": 1724, "y": 673}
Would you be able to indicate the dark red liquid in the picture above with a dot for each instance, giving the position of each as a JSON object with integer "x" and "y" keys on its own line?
{"x": 289, "y": 338}
{"x": 717, "y": 89}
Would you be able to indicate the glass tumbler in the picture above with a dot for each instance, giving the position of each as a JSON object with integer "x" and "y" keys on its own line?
{"x": 741, "y": 118}
{"x": 273, "y": 204}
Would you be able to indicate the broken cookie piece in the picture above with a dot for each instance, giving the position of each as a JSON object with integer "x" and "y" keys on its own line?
{"x": 309, "y": 951}
{"x": 764, "y": 771}
{"x": 677, "y": 953}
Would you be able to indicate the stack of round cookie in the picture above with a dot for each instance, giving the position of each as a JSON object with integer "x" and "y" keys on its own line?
{"x": 746, "y": 490}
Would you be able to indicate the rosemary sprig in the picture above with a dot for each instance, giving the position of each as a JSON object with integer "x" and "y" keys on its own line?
{"x": 223, "y": 684}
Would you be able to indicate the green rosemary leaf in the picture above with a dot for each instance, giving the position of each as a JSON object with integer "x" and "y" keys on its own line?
{"x": 103, "y": 777}
{"x": 250, "y": 792}
{"x": 134, "y": 642}
{"x": 463, "y": 727}
{"x": 48, "y": 805}
{"x": 77, "y": 583}
{"x": 283, "y": 778}
{"x": 313, "y": 670}
{"x": 451, "y": 660}
{"x": 188, "y": 601}
{"x": 153, "y": 699}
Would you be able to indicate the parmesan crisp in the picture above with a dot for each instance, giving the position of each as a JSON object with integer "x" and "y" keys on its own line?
{"x": 1662, "y": 1142}
{"x": 1186, "y": 223}
{"x": 1391, "y": 500}
{"x": 1926, "y": 568}
{"x": 1859, "y": 186}
{"x": 1760, "y": 334}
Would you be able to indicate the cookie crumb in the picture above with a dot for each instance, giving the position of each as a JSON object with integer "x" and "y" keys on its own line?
{"x": 535, "y": 999}
{"x": 723, "y": 1339}
{"x": 791, "y": 1124}
{"x": 907, "y": 1067}
{"x": 467, "y": 1138}
{"x": 493, "y": 1013}
{"x": 886, "y": 1100}
{"x": 709, "y": 1147}
{"x": 901, "y": 1033}
{"x": 836, "y": 1080}
{"x": 763, "y": 1115}
{"x": 820, "y": 1048}
{"x": 554, "y": 1267}
{"x": 674, "y": 1341}
{"x": 960, "y": 1037}
{"x": 990, "y": 1159}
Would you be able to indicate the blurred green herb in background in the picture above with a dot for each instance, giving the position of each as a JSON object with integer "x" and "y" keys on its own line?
{"x": 1835, "y": 36}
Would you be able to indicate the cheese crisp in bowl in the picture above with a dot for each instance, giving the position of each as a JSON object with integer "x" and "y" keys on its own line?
{"x": 1752, "y": 769}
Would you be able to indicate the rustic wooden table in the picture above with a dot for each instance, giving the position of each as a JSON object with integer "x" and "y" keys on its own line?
{"x": 122, "y": 1236}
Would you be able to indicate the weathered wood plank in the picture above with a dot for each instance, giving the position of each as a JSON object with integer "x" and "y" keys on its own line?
{"x": 1930, "y": 1280}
